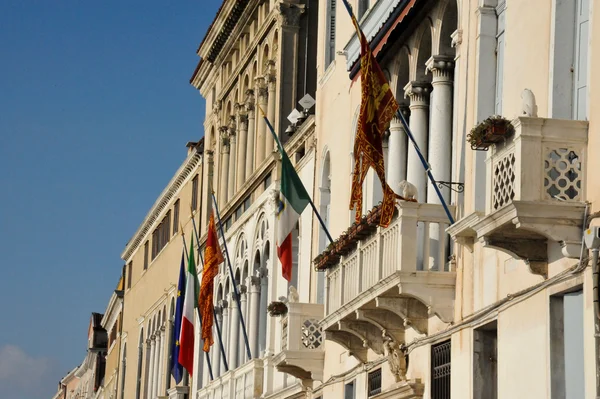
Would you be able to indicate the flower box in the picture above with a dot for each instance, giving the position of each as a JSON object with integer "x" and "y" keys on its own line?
{"x": 277, "y": 308}
{"x": 492, "y": 130}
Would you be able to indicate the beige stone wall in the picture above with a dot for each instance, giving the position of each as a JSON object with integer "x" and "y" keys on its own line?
{"x": 152, "y": 290}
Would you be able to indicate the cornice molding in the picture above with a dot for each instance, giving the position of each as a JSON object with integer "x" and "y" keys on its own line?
{"x": 185, "y": 170}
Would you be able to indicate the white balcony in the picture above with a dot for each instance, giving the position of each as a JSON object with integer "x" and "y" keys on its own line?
{"x": 302, "y": 354}
{"x": 535, "y": 192}
{"x": 245, "y": 382}
{"x": 395, "y": 278}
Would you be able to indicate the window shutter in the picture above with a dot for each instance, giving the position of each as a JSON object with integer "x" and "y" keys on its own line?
{"x": 500, "y": 37}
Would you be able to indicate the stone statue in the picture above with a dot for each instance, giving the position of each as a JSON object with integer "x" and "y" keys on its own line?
{"x": 529, "y": 107}
{"x": 407, "y": 190}
{"x": 396, "y": 359}
{"x": 293, "y": 297}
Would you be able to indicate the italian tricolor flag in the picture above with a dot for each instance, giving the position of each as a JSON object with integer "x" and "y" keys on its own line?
{"x": 186, "y": 336}
{"x": 292, "y": 201}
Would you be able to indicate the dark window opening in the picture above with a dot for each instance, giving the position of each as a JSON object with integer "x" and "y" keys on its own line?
{"x": 176, "y": 217}
{"x": 374, "y": 381}
{"x": 195, "y": 193}
{"x": 440, "y": 370}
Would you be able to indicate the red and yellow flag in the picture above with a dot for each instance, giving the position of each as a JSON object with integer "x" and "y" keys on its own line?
{"x": 377, "y": 109}
{"x": 212, "y": 258}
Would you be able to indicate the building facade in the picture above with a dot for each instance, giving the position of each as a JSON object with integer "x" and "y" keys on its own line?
{"x": 491, "y": 297}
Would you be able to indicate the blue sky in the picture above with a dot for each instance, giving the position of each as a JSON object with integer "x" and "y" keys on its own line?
{"x": 95, "y": 111}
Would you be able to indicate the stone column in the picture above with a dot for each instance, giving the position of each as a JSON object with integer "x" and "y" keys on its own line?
{"x": 224, "y": 172}
{"x": 216, "y": 348}
{"x": 253, "y": 318}
{"x": 241, "y": 341}
{"x": 157, "y": 363}
{"x": 150, "y": 382}
{"x": 161, "y": 367}
{"x": 242, "y": 118}
{"x": 232, "y": 155}
{"x": 264, "y": 294}
{"x": 225, "y": 332}
{"x": 397, "y": 151}
{"x": 272, "y": 84}
{"x": 251, "y": 131}
{"x": 418, "y": 92}
{"x": 440, "y": 130}
{"x": 234, "y": 329}
{"x": 261, "y": 101}
{"x": 440, "y": 149}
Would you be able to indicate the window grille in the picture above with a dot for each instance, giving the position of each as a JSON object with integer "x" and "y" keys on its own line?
{"x": 374, "y": 382}
{"x": 440, "y": 371}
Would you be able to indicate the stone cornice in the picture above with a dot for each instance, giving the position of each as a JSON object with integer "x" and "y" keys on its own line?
{"x": 164, "y": 199}
{"x": 206, "y": 73}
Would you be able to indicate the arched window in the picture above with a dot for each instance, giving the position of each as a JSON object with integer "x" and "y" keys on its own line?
{"x": 324, "y": 209}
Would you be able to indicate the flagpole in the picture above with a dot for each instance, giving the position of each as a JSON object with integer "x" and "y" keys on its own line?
{"x": 214, "y": 312}
{"x": 284, "y": 153}
{"x": 235, "y": 289}
{"x": 210, "y": 371}
{"x": 409, "y": 133}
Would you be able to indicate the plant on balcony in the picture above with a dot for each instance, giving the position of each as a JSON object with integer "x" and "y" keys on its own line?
{"x": 374, "y": 215}
{"x": 491, "y": 131}
{"x": 277, "y": 308}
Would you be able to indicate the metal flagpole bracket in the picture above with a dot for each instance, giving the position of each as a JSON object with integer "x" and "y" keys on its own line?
{"x": 460, "y": 187}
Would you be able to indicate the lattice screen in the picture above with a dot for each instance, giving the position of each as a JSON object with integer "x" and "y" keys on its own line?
{"x": 312, "y": 334}
{"x": 562, "y": 174}
{"x": 504, "y": 181}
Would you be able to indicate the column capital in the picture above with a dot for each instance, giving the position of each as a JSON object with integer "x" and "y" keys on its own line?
{"x": 224, "y": 304}
{"x": 216, "y": 107}
{"x": 218, "y": 310}
{"x": 289, "y": 14}
{"x": 242, "y": 116}
{"x": 261, "y": 272}
{"x": 254, "y": 283}
{"x": 231, "y": 125}
{"x": 232, "y": 302}
{"x": 261, "y": 88}
{"x": 396, "y": 123}
{"x": 250, "y": 102}
{"x": 243, "y": 289}
{"x": 224, "y": 132}
{"x": 456, "y": 37}
{"x": 418, "y": 93}
{"x": 441, "y": 67}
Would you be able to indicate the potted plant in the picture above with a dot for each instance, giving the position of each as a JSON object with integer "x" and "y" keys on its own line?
{"x": 492, "y": 130}
{"x": 277, "y": 308}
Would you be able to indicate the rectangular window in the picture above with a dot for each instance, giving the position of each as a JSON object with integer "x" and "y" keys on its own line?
{"x": 330, "y": 43}
{"x": 176, "y": 217}
{"x": 363, "y": 6}
{"x": 161, "y": 235}
{"x": 349, "y": 391}
{"x": 129, "y": 274}
{"x": 500, "y": 38}
{"x": 146, "y": 255}
{"x": 485, "y": 361}
{"x": 238, "y": 213}
{"x": 247, "y": 203}
{"x": 267, "y": 181}
{"x": 440, "y": 370}
{"x": 582, "y": 26}
{"x": 374, "y": 381}
{"x": 195, "y": 193}
{"x": 566, "y": 346}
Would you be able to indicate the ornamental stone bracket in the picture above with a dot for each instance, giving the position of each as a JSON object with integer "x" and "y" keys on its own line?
{"x": 412, "y": 312}
{"x": 387, "y": 322}
{"x": 368, "y": 333}
{"x": 523, "y": 229}
{"x": 463, "y": 232}
{"x": 349, "y": 341}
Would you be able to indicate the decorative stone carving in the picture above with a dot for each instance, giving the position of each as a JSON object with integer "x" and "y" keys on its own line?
{"x": 231, "y": 125}
{"x": 293, "y": 296}
{"x": 289, "y": 14}
{"x": 456, "y": 38}
{"x": 250, "y": 101}
{"x": 529, "y": 108}
{"x": 396, "y": 357}
{"x": 242, "y": 116}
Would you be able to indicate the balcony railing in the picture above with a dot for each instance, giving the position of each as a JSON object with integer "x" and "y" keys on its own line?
{"x": 544, "y": 161}
{"x": 535, "y": 193}
{"x": 302, "y": 353}
{"x": 416, "y": 241}
{"x": 244, "y": 382}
